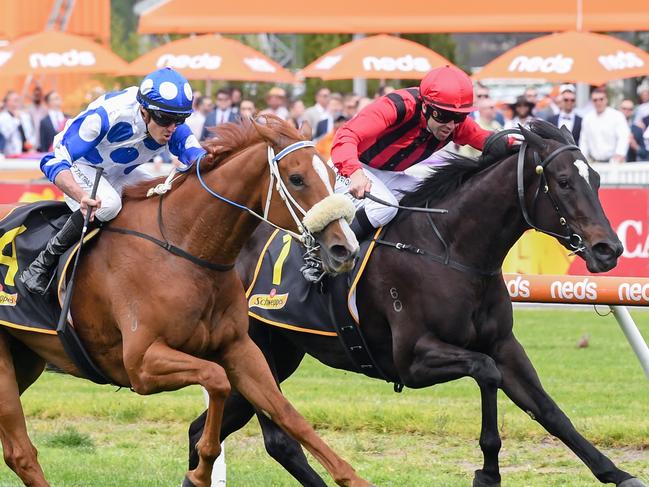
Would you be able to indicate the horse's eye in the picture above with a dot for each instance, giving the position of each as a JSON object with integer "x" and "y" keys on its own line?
{"x": 296, "y": 180}
{"x": 564, "y": 183}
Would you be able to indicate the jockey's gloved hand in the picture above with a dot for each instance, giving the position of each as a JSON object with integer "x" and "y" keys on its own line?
{"x": 499, "y": 146}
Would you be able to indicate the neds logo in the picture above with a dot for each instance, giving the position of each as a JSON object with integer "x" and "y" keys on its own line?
{"x": 620, "y": 60}
{"x": 404, "y": 63}
{"x": 519, "y": 287}
{"x": 574, "y": 290}
{"x": 535, "y": 64}
{"x": 635, "y": 292}
{"x": 200, "y": 61}
{"x": 57, "y": 59}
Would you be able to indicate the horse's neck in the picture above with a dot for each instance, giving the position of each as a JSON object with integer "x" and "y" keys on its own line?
{"x": 484, "y": 219}
{"x": 210, "y": 228}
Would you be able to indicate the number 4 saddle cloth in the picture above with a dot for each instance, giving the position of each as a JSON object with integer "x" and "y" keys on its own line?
{"x": 24, "y": 232}
{"x": 280, "y": 296}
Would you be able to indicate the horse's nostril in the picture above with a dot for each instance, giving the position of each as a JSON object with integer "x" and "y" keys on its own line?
{"x": 340, "y": 252}
{"x": 606, "y": 250}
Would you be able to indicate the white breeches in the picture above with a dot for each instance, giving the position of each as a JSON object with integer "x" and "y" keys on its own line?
{"x": 109, "y": 190}
{"x": 387, "y": 185}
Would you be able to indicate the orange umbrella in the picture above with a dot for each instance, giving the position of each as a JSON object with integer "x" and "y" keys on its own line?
{"x": 570, "y": 56}
{"x": 212, "y": 57}
{"x": 377, "y": 57}
{"x": 53, "y": 52}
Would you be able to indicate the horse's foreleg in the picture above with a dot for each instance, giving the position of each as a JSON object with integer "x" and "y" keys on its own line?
{"x": 162, "y": 368}
{"x": 522, "y": 385}
{"x": 435, "y": 362}
{"x": 249, "y": 373}
{"x": 19, "y": 452}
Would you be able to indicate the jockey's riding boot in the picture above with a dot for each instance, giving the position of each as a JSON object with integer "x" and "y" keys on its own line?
{"x": 38, "y": 276}
{"x": 361, "y": 226}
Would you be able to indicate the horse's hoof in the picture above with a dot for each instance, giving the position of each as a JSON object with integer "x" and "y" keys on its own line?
{"x": 481, "y": 479}
{"x": 187, "y": 483}
{"x": 632, "y": 482}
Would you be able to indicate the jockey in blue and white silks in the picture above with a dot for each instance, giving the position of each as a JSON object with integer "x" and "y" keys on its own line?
{"x": 117, "y": 132}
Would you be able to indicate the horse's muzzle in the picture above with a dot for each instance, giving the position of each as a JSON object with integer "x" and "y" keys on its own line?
{"x": 603, "y": 255}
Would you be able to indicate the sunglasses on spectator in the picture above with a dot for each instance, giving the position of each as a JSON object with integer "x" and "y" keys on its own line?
{"x": 445, "y": 116}
{"x": 571, "y": 100}
{"x": 165, "y": 119}
{"x": 482, "y": 95}
{"x": 599, "y": 98}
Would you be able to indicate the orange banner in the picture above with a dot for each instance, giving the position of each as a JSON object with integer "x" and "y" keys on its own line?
{"x": 578, "y": 289}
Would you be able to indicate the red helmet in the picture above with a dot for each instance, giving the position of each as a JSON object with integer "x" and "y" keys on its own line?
{"x": 448, "y": 88}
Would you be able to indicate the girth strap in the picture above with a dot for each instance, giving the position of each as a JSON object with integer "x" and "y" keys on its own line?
{"x": 173, "y": 249}
{"x": 350, "y": 335}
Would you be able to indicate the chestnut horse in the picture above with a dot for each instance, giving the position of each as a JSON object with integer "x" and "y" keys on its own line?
{"x": 154, "y": 321}
{"x": 455, "y": 320}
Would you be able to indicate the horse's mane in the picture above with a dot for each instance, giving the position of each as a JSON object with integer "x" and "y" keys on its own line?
{"x": 459, "y": 169}
{"x": 228, "y": 139}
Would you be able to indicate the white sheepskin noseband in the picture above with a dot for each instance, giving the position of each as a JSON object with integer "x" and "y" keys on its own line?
{"x": 330, "y": 209}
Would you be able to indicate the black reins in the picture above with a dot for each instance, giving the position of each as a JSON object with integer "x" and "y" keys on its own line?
{"x": 168, "y": 246}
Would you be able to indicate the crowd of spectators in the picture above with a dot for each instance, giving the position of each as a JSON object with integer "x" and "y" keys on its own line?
{"x": 604, "y": 133}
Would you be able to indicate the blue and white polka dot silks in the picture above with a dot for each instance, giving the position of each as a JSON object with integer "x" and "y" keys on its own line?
{"x": 166, "y": 90}
{"x": 111, "y": 133}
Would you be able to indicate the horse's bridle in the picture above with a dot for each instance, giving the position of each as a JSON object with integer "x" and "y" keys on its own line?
{"x": 573, "y": 239}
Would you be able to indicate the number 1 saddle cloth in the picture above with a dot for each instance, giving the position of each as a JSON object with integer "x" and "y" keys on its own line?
{"x": 280, "y": 296}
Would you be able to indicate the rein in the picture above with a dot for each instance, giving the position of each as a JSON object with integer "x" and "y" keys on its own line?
{"x": 306, "y": 237}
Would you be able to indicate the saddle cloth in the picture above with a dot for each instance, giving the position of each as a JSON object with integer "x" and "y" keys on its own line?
{"x": 280, "y": 296}
{"x": 24, "y": 232}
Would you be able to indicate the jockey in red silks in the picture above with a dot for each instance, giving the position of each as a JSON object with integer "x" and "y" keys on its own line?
{"x": 371, "y": 151}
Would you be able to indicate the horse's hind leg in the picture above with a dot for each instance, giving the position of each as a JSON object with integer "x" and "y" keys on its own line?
{"x": 19, "y": 452}
{"x": 288, "y": 453}
{"x": 249, "y": 373}
{"x": 522, "y": 385}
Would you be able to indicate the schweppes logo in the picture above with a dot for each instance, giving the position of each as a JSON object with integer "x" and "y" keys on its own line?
{"x": 271, "y": 300}
{"x": 7, "y": 299}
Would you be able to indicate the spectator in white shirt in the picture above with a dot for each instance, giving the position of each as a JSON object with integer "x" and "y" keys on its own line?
{"x": 16, "y": 126}
{"x": 317, "y": 112}
{"x": 196, "y": 121}
{"x": 604, "y": 132}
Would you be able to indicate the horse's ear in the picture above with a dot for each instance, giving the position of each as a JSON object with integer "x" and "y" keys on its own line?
{"x": 266, "y": 133}
{"x": 306, "y": 130}
{"x": 534, "y": 140}
{"x": 568, "y": 135}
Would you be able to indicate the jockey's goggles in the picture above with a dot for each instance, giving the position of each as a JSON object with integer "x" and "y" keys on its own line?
{"x": 165, "y": 119}
{"x": 445, "y": 116}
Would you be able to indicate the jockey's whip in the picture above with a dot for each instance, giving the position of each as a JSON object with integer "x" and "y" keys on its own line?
{"x": 407, "y": 208}
{"x": 86, "y": 220}
{"x": 66, "y": 333}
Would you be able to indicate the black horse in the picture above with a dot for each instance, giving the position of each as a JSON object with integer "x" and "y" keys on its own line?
{"x": 464, "y": 326}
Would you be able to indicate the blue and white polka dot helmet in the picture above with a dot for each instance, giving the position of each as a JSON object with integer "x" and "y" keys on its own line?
{"x": 166, "y": 90}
